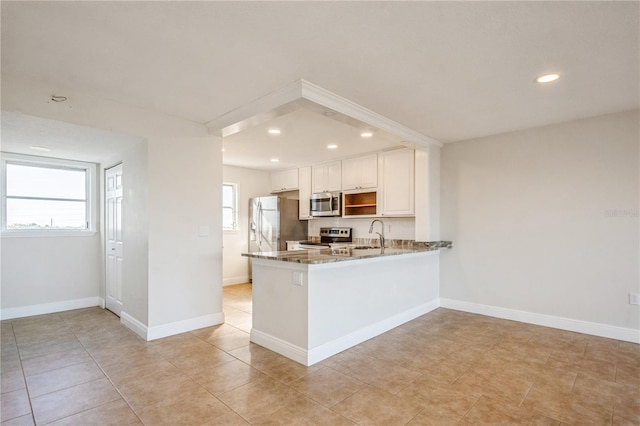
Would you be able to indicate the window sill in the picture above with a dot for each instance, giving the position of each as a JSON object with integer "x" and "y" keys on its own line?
{"x": 46, "y": 234}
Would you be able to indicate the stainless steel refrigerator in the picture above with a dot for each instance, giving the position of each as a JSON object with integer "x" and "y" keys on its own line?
{"x": 273, "y": 221}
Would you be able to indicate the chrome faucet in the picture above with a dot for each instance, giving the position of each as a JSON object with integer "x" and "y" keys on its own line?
{"x": 379, "y": 234}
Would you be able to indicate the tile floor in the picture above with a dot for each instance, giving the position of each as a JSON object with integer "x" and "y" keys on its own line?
{"x": 82, "y": 367}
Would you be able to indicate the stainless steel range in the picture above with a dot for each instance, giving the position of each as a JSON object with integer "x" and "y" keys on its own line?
{"x": 328, "y": 237}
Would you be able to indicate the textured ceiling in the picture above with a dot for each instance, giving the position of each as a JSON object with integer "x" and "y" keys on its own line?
{"x": 449, "y": 70}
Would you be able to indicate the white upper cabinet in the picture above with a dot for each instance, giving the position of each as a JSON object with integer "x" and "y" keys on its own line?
{"x": 285, "y": 180}
{"x": 326, "y": 177}
{"x": 397, "y": 169}
{"x": 304, "y": 194}
{"x": 360, "y": 172}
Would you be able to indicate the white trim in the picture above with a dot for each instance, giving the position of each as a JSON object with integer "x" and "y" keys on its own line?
{"x": 170, "y": 329}
{"x": 302, "y": 89}
{"x": 101, "y": 302}
{"x": 328, "y": 349}
{"x": 280, "y": 346}
{"x": 569, "y": 324}
{"x": 236, "y": 280}
{"x": 324, "y": 351}
{"x": 337, "y": 103}
{"x": 49, "y": 308}
{"x": 91, "y": 170}
{"x": 134, "y": 325}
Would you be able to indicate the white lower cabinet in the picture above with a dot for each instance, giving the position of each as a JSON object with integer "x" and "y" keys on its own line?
{"x": 397, "y": 169}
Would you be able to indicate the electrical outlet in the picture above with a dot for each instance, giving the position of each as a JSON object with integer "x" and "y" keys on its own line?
{"x": 634, "y": 298}
{"x": 297, "y": 278}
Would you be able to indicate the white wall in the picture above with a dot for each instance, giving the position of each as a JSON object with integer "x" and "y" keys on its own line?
{"x": 251, "y": 183}
{"x": 48, "y": 270}
{"x": 185, "y": 268}
{"x": 546, "y": 221}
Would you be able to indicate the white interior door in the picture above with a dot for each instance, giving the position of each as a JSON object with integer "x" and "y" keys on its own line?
{"x": 114, "y": 249}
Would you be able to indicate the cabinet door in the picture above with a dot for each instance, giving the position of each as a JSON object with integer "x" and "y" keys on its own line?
{"x": 326, "y": 177}
{"x": 398, "y": 182}
{"x": 304, "y": 194}
{"x": 360, "y": 172}
{"x": 285, "y": 180}
{"x": 351, "y": 170}
{"x": 369, "y": 171}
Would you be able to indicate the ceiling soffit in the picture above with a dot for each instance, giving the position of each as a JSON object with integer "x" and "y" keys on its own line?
{"x": 303, "y": 93}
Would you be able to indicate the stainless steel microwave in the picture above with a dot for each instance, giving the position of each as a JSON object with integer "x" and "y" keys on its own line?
{"x": 325, "y": 204}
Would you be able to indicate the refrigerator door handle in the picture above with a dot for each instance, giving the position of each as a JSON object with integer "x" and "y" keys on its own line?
{"x": 259, "y": 233}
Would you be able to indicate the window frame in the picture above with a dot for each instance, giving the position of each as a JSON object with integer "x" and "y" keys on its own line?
{"x": 234, "y": 208}
{"x": 50, "y": 163}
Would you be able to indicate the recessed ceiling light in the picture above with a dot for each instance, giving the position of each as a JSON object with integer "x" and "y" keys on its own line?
{"x": 40, "y": 148}
{"x": 329, "y": 113}
{"x": 366, "y": 134}
{"x": 332, "y": 146}
{"x": 274, "y": 131}
{"x": 274, "y": 160}
{"x": 547, "y": 78}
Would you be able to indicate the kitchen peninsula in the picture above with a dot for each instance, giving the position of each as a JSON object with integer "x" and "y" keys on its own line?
{"x": 311, "y": 304}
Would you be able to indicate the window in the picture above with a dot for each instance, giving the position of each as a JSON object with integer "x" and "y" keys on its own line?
{"x": 229, "y": 207}
{"x": 46, "y": 196}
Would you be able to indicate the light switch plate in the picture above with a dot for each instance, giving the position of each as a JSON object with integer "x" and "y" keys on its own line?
{"x": 203, "y": 231}
{"x": 297, "y": 278}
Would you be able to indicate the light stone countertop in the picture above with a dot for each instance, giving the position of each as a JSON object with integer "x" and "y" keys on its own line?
{"x": 346, "y": 253}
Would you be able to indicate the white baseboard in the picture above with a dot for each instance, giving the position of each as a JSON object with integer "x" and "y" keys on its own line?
{"x": 49, "y": 308}
{"x": 578, "y": 326}
{"x": 333, "y": 347}
{"x": 165, "y": 330}
{"x": 101, "y": 302}
{"x": 236, "y": 280}
{"x": 134, "y": 325}
{"x": 317, "y": 354}
{"x": 280, "y": 346}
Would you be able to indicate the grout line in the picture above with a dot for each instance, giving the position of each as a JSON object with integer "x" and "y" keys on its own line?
{"x": 525, "y": 395}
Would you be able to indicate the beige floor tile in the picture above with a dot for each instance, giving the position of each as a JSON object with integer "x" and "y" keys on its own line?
{"x": 11, "y": 381}
{"x": 63, "y": 403}
{"x": 257, "y": 356}
{"x": 371, "y": 406}
{"x": 230, "y": 341}
{"x": 445, "y": 366}
{"x": 10, "y": 362}
{"x": 120, "y": 353}
{"x": 447, "y": 401}
{"x": 43, "y": 363}
{"x": 225, "y": 377}
{"x": 14, "y": 404}
{"x": 149, "y": 390}
{"x": 566, "y": 408}
{"x": 627, "y": 374}
{"x": 193, "y": 360}
{"x": 490, "y": 412}
{"x": 381, "y": 374}
{"x": 193, "y": 407}
{"x": 111, "y": 413}
{"x": 306, "y": 412}
{"x": 260, "y": 399}
{"x": 598, "y": 369}
{"x": 38, "y": 348}
{"x": 327, "y": 386}
{"x": 215, "y": 331}
{"x": 62, "y": 378}
{"x": 139, "y": 368}
{"x": 26, "y": 420}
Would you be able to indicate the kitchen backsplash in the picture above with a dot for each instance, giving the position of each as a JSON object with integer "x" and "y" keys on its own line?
{"x": 401, "y": 228}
